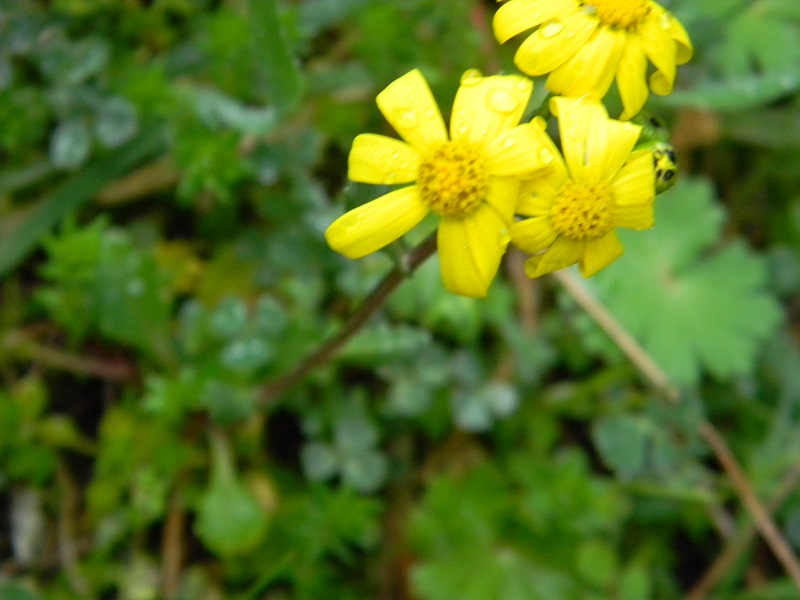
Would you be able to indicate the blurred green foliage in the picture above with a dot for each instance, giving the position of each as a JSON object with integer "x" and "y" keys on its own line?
{"x": 167, "y": 171}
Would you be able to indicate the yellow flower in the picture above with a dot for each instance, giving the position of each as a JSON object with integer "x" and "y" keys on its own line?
{"x": 584, "y": 44}
{"x": 600, "y": 185}
{"x": 470, "y": 178}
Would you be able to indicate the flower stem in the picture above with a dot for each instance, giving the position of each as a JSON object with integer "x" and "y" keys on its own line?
{"x": 653, "y": 372}
{"x": 357, "y": 320}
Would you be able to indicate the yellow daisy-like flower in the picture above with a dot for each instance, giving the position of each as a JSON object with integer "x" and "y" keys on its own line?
{"x": 585, "y": 44}
{"x": 600, "y": 185}
{"x": 470, "y": 178}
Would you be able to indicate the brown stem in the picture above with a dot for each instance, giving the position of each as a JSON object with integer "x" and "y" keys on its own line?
{"x": 618, "y": 334}
{"x": 660, "y": 380}
{"x": 172, "y": 544}
{"x": 737, "y": 545}
{"x": 357, "y": 320}
{"x": 764, "y": 523}
{"x": 19, "y": 344}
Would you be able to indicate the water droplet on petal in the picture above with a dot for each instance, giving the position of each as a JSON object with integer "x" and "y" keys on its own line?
{"x": 666, "y": 20}
{"x": 407, "y": 118}
{"x": 471, "y": 77}
{"x": 545, "y": 155}
{"x": 522, "y": 85}
{"x": 463, "y": 128}
{"x": 501, "y": 100}
{"x": 430, "y": 114}
{"x": 508, "y": 142}
{"x": 552, "y": 29}
{"x": 395, "y": 155}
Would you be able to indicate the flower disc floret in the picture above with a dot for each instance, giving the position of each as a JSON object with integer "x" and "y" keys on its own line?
{"x": 583, "y": 211}
{"x": 619, "y": 14}
{"x": 453, "y": 180}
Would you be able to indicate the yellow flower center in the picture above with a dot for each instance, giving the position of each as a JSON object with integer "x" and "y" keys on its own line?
{"x": 583, "y": 211}
{"x": 453, "y": 180}
{"x": 620, "y": 14}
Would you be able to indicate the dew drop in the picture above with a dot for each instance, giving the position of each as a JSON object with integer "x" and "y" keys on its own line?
{"x": 430, "y": 114}
{"x": 666, "y": 21}
{"x": 522, "y": 85}
{"x": 471, "y": 77}
{"x": 407, "y": 118}
{"x": 552, "y": 29}
{"x": 395, "y": 155}
{"x": 501, "y": 100}
{"x": 508, "y": 142}
{"x": 546, "y": 156}
{"x": 463, "y": 128}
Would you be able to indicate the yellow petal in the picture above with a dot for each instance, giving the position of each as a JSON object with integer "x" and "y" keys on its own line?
{"x": 408, "y": 104}
{"x": 561, "y": 254}
{"x": 660, "y": 48}
{"x": 609, "y": 145}
{"x": 553, "y": 44}
{"x": 600, "y": 253}
{"x": 382, "y": 160}
{"x": 485, "y": 107}
{"x": 576, "y": 119}
{"x": 502, "y": 197}
{"x": 532, "y": 235}
{"x": 375, "y": 224}
{"x": 683, "y": 45}
{"x": 517, "y": 16}
{"x": 632, "y": 77}
{"x": 635, "y": 183}
{"x": 470, "y": 250}
{"x": 536, "y": 196}
{"x": 522, "y": 151}
{"x": 591, "y": 70}
{"x": 634, "y": 216}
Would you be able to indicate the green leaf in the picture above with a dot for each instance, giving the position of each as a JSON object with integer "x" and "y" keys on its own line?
{"x": 744, "y": 92}
{"x": 274, "y": 63}
{"x": 690, "y": 308}
{"x": 14, "y": 591}
{"x": 116, "y": 122}
{"x": 229, "y": 520}
{"x": 70, "y": 144}
{"x": 72, "y": 193}
{"x": 759, "y": 40}
{"x": 622, "y": 443}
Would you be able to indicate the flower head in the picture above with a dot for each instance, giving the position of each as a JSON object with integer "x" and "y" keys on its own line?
{"x": 585, "y": 44}
{"x": 600, "y": 185}
{"x": 469, "y": 178}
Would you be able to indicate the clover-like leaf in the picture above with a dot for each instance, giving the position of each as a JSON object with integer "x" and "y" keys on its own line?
{"x": 690, "y": 308}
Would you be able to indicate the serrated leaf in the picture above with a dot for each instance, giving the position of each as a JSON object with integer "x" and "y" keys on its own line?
{"x": 689, "y": 309}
